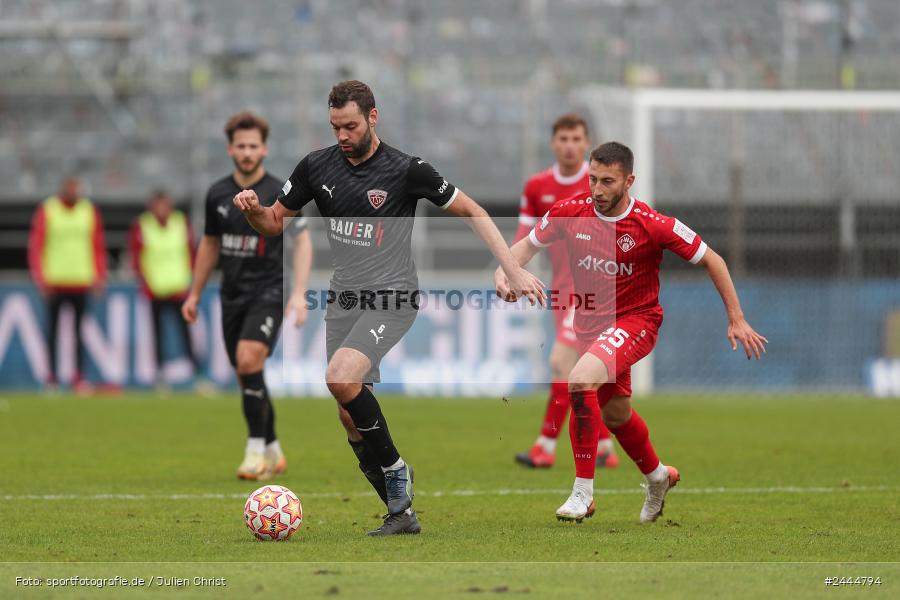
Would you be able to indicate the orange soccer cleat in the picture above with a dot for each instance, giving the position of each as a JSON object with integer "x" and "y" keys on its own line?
{"x": 255, "y": 467}
{"x": 607, "y": 459}
{"x": 276, "y": 462}
{"x": 536, "y": 458}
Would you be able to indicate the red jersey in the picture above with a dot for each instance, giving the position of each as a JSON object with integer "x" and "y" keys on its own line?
{"x": 542, "y": 190}
{"x": 614, "y": 261}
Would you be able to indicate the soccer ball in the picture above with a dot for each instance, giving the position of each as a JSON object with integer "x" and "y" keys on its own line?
{"x": 273, "y": 513}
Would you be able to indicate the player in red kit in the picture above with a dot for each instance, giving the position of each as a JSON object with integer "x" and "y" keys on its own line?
{"x": 615, "y": 245}
{"x": 566, "y": 178}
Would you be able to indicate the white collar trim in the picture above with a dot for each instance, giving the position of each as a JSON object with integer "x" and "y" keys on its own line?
{"x": 571, "y": 179}
{"x": 618, "y": 218}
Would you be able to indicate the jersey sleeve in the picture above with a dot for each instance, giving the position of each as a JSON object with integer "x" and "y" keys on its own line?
{"x": 211, "y": 219}
{"x": 423, "y": 181}
{"x": 297, "y": 225}
{"x": 528, "y": 215}
{"x": 672, "y": 234}
{"x": 297, "y": 191}
{"x": 549, "y": 228}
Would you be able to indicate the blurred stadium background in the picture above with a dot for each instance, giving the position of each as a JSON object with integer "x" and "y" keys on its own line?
{"x": 794, "y": 178}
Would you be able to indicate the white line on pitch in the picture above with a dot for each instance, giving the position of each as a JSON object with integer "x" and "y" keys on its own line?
{"x": 499, "y": 492}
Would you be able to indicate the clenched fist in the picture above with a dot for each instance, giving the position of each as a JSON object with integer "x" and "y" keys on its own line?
{"x": 248, "y": 202}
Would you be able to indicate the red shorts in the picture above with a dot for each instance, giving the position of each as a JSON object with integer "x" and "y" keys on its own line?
{"x": 630, "y": 339}
{"x": 564, "y": 320}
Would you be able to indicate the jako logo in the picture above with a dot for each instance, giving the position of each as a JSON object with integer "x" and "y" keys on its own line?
{"x": 583, "y": 236}
{"x": 605, "y": 266}
{"x": 443, "y": 187}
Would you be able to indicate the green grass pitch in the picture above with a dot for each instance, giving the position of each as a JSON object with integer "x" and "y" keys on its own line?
{"x": 778, "y": 492}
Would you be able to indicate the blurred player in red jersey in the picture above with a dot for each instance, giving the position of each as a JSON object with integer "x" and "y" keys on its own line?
{"x": 615, "y": 246}
{"x": 566, "y": 178}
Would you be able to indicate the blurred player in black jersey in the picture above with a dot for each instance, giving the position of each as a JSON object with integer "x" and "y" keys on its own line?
{"x": 367, "y": 193}
{"x": 252, "y": 280}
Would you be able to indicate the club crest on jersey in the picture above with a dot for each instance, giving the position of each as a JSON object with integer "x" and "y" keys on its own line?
{"x": 626, "y": 242}
{"x": 377, "y": 198}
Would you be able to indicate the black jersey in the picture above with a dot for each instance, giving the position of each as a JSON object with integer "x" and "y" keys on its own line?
{"x": 252, "y": 265}
{"x": 368, "y": 211}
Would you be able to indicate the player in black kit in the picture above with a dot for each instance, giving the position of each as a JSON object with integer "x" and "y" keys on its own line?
{"x": 252, "y": 280}
{"x": 367, "y": 193}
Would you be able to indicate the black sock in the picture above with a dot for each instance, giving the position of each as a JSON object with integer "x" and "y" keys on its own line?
{"x": 257, "y": 408}
{"x": 371, "y": 468}
{"x": 270, "y": 422}
{"x": 370, "y": 423}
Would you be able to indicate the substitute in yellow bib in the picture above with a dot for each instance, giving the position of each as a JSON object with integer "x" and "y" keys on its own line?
{"x": 67, "y": 260}
{"x": 162, "y": 251}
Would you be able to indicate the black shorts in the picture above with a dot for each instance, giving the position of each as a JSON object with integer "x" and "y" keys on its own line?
{"x": 260, "y": 322}
{"x": 372, "y": 332}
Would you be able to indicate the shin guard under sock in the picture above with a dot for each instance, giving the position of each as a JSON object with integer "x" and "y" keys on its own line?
{"x": 368, "y": 464}
{"x": 371, "y": 424}
{"x": 634, "y": 437}
{"x": 583, "y": 431}
{"x": 557, "y": 406}
{"x": 257, "y": 408}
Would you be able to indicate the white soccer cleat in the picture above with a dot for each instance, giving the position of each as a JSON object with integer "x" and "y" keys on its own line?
{"x": 656, "y": 495}
{"x": 276, "y": 462}
{"x": 255, "y": 467}
{"x": 577, "y": 508}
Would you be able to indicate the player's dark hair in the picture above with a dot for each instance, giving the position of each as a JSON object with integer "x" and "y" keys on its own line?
{"x": 352, "y": 91}
{"x": 246, "y": 120}
{"x": 570, "y": 121}
{"x": 614, "y": 153}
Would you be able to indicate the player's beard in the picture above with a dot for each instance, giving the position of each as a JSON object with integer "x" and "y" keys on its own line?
{"x": 243, "y": 169}
{"x": 614, "y": 202}
{"x": 359, "y": 150}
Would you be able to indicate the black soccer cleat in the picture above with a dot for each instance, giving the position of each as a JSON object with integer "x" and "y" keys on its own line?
{"x": 398, "y": 524}
{"x": 398, "y": 485}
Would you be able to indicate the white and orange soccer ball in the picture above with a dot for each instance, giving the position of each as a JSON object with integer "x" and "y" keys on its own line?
{"x": 273, "y": 513}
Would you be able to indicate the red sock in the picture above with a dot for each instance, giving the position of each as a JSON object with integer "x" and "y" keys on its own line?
{"x": 604, "y": 393}
{"x": 557, "y": 406}
{"x": 634, "y": 438}
{"x": 583, "y": 426}
{"x": 602, "y": 429}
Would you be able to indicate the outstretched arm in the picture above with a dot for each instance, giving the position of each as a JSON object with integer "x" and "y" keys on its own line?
{"x": 739, "y": 329}
{"x": 523, "y": 251}
{"x": 520, "y": 280}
